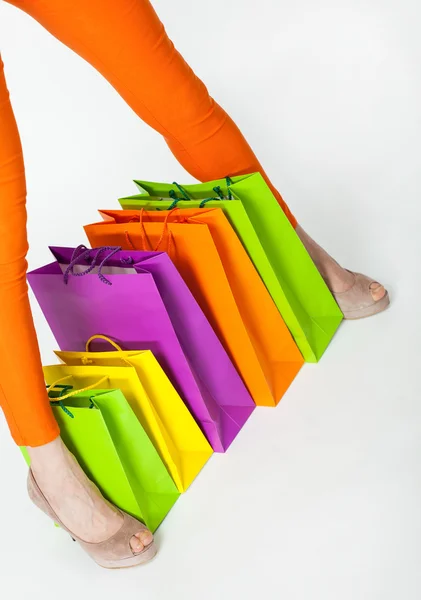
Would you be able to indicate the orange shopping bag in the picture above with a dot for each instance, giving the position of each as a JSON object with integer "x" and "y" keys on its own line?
{"x": 218, "y": 271}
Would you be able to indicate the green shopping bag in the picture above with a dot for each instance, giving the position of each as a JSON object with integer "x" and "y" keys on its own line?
{"x": 297, "y": 288}
{"x": 111, "y": 446}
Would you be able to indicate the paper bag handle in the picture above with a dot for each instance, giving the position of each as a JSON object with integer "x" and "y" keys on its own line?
{"x": 75, "y": 392}
{"x": 102, "y": 337}
{"x": 83, "y": 253}
{"x": 166, "y": 235}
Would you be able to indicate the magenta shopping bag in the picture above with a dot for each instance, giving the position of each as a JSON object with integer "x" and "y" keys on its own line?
{"x": 140, "y": 300}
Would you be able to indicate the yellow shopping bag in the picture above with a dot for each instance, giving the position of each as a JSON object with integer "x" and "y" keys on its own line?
{"x": 162, "y": 413}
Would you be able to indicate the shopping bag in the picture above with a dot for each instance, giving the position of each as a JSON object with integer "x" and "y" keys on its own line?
{"x": 276, "y": 352}
{"x": 285, "y": 266}
{"x": 148, "y": 306}
{"x": 165, "y": 418}
{"x": 101, "y": 430}
{"x": 273, "y": 351}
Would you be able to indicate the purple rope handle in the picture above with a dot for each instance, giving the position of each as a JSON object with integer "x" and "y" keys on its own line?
{"x": 83, "y": 253}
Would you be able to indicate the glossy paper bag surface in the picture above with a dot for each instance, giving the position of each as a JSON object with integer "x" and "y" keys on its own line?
{"x": 289, "y": 273}
{"x": 170, "y": 426}
{"x": 113, "y": 448}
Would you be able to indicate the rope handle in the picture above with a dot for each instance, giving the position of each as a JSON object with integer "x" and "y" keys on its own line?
{"x": 75, "y": 392}
{"x": 206, "y": 200}
{"x": 56, "y": 383}
{"x": 87, "y": 361}
{"x": 182, "y": 191}
{"x": 185, "y": 196}
{"x": 59, "y": 403}
{"x": 218, "y": 191}
{"x": 166, "y": 235}
{"x": 102, "y": 337}
{"x": 83, "y": 253}
{"x": 229, "y": 182}
{"x": 168, "y": 250}
{"x": 174, "y": 199}
{"x": 146, "y": 246}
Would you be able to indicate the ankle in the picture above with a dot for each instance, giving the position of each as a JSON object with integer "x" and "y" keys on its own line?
{"x": 336, "y": 277}
{"x": 338, "y": 282}
{"x": 50, "y": 458}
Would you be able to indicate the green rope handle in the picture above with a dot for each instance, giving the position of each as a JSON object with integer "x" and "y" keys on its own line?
{"x": 182, "y": 191}
{"x": 206, "y": 200}
{"x": 63, "y": 391}
{"x": 174, "y": 198}
{"x": 229, "y": 182}
{"x": 217, "y": 190}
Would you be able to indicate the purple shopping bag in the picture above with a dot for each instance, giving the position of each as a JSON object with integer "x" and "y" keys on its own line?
{"x": 140, "y": 300}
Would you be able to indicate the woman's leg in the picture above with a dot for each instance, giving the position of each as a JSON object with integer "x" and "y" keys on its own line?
{"x": 338, "y": 279}
{"x": 127, "y": 43}
{"x": 75, "y": 499}
{"x": 23, "y": 396}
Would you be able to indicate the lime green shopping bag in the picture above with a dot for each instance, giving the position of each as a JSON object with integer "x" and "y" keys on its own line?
{"x": 298, "y": 290}
{"x": 111, "y": 446}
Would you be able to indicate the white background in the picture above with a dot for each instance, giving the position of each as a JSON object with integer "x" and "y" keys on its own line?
{"x": 320, "y": 498}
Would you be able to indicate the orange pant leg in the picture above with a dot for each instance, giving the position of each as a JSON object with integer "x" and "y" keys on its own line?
{"x": 23, "y": 396}
{"x": 126, "y": 42}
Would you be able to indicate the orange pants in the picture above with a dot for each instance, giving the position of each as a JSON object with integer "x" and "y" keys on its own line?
{"x": 126, "y": 42}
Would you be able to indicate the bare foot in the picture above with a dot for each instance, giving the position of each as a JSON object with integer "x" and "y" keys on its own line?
{"x": 75, "y": 499}
{"x": 356, "y": 294}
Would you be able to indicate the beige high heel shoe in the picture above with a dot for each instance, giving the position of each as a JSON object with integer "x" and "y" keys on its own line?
{"x": 357, "y": 302}
{"x": 114, "y": 553}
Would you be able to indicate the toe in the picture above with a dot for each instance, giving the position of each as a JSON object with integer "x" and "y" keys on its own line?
{"x": 377, "y": 291}
{"x": 141, "y": 540}
{"x": 145, "y": 537}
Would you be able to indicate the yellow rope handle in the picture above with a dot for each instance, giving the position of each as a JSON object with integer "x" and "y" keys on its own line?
{"x": 102, "y": 337}
{"x": 55, "y": 384}
{"x": 76, "y": 392}
{"x": 86, "y": 360}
